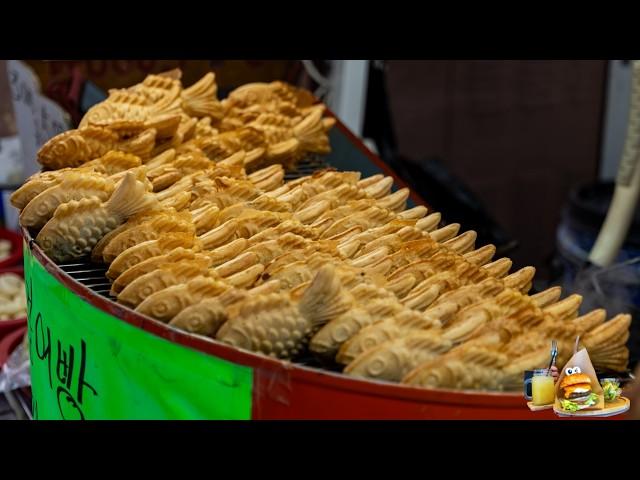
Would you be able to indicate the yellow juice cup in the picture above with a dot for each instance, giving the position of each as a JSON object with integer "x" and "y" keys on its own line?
{"x": 542, "y": 387}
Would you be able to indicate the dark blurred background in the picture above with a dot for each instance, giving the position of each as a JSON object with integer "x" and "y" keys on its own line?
{"x": 520, "y": 134}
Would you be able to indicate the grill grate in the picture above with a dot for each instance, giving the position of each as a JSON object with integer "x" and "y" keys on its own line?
{"x": 307, "y": 166}
{"x": 91, "y": 275}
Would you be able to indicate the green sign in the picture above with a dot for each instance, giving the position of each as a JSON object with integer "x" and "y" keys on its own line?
{"x": 86, "y": 364}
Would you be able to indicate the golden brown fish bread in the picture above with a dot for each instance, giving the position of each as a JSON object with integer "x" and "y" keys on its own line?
{"x": 185, "y": 184}
{"x": 239, "y": 254}
{"x": 251, "y": 94}
{"x": 96, "y": 253}
{"x": 167, "y": 303}
{"x": 427, "y": 291}
{"x": 269, "y": 178}
{"x": 365, "y": 182}
{"x": 470, "y": 320}
{"x": 519, "y": 280}
{"x": 75, "y": 147}
{"x": 423, "y": 274}
{"x": 296, "y": 196}
{"x": 565, "y": 309}
{"x": 38, "y": 183}
{"x": 77, "y": 226}
{"x": 74, "y": 186}
{"x": 151, "y": 248}
{"x": 204, "y": 318}
{"x": 346, "y": 209}
{"x": 371, "y": 217}
{"x": 205, "y": 218}
{"x": 114, "y": 162}
{"x": 412, "y": 251}
{"x": 268, "y": 250}
{"x": 396, "y": 202}
{"x": 328, "y": 340}
{"x": 379, "y": 189}
{"x": 287, "y": 144}
{"x": 359, "y": 241}
{"x": 153, "y": 103}
{"x": 471, "y": 368}
{"x": 164, "y": 158}
{"x": 415, "y": 213}
{"x": 150, "y": 264}
{"x": 265, "y": 202}
{"x": 246, "y": 225}
{"x": 291, "y": 274}
{"x": 590, "y": 320}
{"x": 311, "y": 213}
{"x": 329, "y": 178}
{"x": 402, "y": 324}
{"x": 178, "y": 202}
{"x": 231, "y": 193}
{"x": 277, "y": 325}
{"x": 393, "y": 359}
{"x": 463, "y": 243}
{"x": 227, "y": 252}
{"x": 547, "y": 297}
{"x": 164, "y": 276}
{"x": 613, "y": 332}
{"x": 246, "y": 278}
{"x": 311, "y": 193}
{"x": 152, "y": 229}
{"x": 498, "y": 268}
{"x": 200, "y": 99}
{"x": 192, "y": 162}
{"x": 223, "y": 145}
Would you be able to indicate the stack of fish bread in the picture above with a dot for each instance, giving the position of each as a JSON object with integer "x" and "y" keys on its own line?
{"x": 183, "y": 196}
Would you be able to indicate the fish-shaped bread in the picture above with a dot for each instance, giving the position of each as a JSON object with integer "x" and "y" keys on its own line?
{"x": 75, "y": 147}
{"x": 74, "y": 186}
{"x": 478, "y": 366}
{"x": 164, "y": 276}
{"x": 208, "y": 315}
{"x": 151, "y": 248}
{"x": 165, "y": 304}
{"x": 200, "y": 99}
{"x": 392, "y": 360}
{"x": 279, "y": 324}
{"x": 76, "y": 226}
{"x": 153, "y": 263}
{"x": 169, "y": 221}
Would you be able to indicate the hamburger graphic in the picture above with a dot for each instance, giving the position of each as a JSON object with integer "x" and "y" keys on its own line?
{"x": 575, "y": 391}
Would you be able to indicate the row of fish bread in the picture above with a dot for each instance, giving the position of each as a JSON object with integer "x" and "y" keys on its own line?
{"x": 319, "y": 263}
{"x": 271, "y": 122}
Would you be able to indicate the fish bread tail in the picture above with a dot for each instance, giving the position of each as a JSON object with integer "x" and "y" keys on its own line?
{"x": 325, "y": 298}
{"x": 131, "y": 197}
